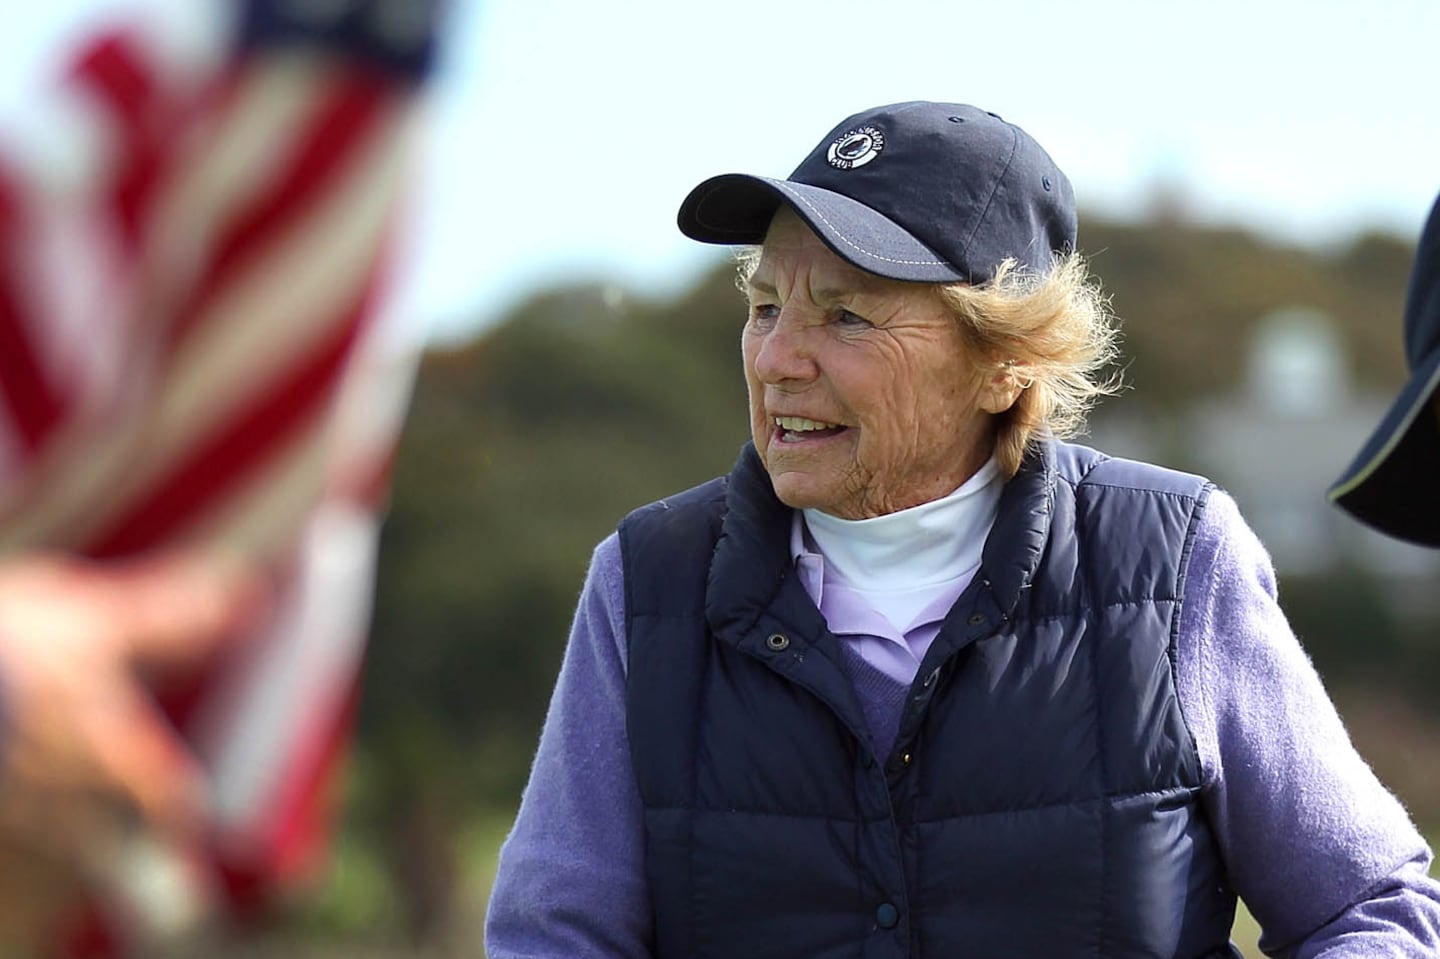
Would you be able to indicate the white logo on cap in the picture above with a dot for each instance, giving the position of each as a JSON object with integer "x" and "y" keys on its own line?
{"x": 856, "y": 148}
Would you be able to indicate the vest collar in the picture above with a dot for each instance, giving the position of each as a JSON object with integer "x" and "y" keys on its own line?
{"x": 1022, "y": 525}
{"x": 752, "y": 556}
{"x": 752, "y": 564}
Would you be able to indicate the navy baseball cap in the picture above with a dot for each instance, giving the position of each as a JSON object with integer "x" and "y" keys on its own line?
{"x": 1392, "y": 483}
{"x": 930, "y": 192}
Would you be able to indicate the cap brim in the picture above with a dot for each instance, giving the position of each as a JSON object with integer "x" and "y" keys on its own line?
{"x": 736, "y": 209}
{"x": 1391, "y": 483}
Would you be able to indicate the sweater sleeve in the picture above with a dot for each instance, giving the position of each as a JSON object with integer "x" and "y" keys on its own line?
{"x": 1325, "y": 857}
{"x": 571, "y": 876}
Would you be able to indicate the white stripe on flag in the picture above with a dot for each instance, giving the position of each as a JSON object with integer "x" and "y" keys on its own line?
{"x": 296, "y": 678}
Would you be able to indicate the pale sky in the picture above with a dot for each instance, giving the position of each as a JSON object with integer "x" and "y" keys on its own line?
{"x": 566, "y": 133}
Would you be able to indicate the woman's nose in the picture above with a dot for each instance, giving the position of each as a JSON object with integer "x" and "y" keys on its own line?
{"x": 785, "y": 352}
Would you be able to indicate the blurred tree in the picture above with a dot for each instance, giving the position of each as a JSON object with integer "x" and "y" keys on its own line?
{"x": 1187, "y": 293}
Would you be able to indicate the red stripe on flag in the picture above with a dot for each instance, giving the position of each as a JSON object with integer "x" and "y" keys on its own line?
{"x": 334, "y": 136}
{"x": 36, "y": 405}
{"x": 113, "y": 67}
{"x": 134, "y": 191}
{"x": 148, "y": 119}
{"x": 240, "y": 447}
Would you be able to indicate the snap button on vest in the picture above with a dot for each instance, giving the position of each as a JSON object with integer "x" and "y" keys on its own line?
{"x": 776, "y": 642}
{"x": 886, "y": 915}
{"x": 977, "y": 620}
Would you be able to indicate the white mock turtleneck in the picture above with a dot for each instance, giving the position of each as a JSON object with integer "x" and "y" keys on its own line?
{"x": 902, "y": 563}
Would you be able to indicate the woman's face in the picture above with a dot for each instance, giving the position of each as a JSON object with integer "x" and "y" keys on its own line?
{"x": 863, "y": 400}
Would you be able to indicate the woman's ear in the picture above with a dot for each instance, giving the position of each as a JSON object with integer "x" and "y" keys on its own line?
{"x": 1003, "y": 388}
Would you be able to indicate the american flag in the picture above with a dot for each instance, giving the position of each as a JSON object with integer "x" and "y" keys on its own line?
{"x": 194, "y": 248}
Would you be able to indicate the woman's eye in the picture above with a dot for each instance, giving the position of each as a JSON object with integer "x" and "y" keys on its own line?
{"x": 853, "y": 320}
{"x": 764, "y": 312}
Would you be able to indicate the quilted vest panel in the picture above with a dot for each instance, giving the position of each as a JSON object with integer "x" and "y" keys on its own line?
{"x": 1042, "y": 795}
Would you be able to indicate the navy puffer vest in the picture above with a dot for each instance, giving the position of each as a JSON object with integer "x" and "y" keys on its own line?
{"x": 1041, "y": 798}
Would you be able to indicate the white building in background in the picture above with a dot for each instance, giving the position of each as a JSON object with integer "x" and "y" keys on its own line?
{"x": 1277, "y": 445}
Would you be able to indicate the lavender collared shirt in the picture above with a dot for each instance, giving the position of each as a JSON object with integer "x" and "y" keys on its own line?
{"x": 1324, "y": 856}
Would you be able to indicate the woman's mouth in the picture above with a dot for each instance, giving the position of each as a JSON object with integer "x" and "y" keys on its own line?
{"x": 798, "y": 429}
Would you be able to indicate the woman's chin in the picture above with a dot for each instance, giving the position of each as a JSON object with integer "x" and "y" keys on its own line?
{"x": 801, "y": 492}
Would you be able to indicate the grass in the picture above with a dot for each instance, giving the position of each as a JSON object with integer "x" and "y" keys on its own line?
{"x": 1246, "y": 933}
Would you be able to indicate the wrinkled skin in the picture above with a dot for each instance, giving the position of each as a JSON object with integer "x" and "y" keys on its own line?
{"x": 878, "y": 358}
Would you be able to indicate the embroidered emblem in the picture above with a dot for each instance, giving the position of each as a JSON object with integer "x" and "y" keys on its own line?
{"x": 856, "y": 148}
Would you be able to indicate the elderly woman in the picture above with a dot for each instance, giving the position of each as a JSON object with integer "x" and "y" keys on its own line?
{"x": 918, "y": 678}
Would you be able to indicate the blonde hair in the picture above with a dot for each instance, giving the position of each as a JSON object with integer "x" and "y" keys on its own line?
{"x": 1054, "y": 333}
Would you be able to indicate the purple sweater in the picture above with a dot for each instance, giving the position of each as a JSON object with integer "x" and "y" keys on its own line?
{"x": 1324, "y": 856}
